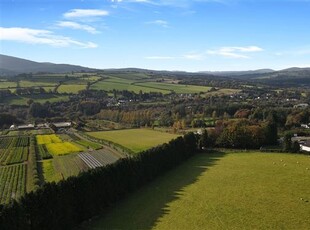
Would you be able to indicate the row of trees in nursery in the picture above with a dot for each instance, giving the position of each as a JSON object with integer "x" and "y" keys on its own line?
{"x": 68, "y": 203}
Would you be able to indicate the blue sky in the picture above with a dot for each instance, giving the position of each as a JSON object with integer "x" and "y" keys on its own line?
{"x": 196, "y": 35}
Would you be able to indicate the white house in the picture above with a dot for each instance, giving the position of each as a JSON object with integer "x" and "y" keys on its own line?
{"x": 63, "y": 124}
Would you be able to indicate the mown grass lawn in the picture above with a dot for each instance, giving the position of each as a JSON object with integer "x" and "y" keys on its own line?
{"x": 136, "y": 140}
{"x": 220, "y": 191}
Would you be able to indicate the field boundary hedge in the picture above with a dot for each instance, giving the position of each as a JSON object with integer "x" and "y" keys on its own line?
{"x": 66, "y": 204}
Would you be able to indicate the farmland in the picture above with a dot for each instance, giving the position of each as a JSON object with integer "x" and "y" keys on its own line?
{"x": 22, "y": 100}
{"x": 135, "y": 139}
{"x": 136, "y": 84}
{"x": 247, "y": 190}
{"x": 7, "y": 84}
{"x": 177, "y": 88}
{"x": 36, "y": 84}
{"x": 12, "y": 182}
{"x": 13, "y": 150}
{"x": 71, "y": 88}
{"x": 55, "y": 146}
{"x": 62, "y": 167}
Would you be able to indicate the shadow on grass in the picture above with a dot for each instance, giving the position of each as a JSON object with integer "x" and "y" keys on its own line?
{"x": 143, "y": 208}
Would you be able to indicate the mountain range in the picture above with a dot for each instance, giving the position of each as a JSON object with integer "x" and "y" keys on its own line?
{"x": 10, "y": 66}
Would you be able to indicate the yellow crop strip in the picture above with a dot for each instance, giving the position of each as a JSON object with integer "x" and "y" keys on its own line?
{"x": 62, "y": 148}
{"x": 56, "y": 146}
{"x": 48, "y": 139}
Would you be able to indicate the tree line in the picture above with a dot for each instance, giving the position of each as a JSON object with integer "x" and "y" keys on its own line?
{"x": 66, "y": 204}
{"x": 241, "y": 134}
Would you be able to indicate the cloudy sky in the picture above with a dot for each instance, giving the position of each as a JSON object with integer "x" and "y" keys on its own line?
{"x": 191, "y": 35}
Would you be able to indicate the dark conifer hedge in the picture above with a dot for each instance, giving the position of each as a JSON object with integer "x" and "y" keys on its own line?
{"x": 66, "y": 204}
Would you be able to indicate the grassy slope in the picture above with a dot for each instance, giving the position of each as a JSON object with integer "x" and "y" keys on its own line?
{"x": 135, "y": 139}
{"x": 220, "y": 191}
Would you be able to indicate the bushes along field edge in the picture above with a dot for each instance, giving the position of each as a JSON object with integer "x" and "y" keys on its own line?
{"x": 66, "y": 204}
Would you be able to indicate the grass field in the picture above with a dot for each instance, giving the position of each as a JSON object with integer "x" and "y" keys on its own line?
{"x": 177, "y": 88}
{"x": 22, "y": 100}
{"x": 220, "y": 191}
{"x": 7, "y": 84}
{"x": 35, "y": 84}
{"x": 72, "y": 88}
{"x": 123, "y": 84}
{"x": 136, "y": 140}
{"x": 133, "y": 83}
{"x": 131, "y": 76}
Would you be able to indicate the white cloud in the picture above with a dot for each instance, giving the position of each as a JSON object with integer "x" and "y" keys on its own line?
{"x": 85, "y": 13}
{"x": 235, "y": 51}
{"x": 159, "y": 23}
{"x": 188, "y": 56}
{"x": 160, "y": 57}
{"x": 194, "y": 56}
{"x": 77, "y": 26}
{"x": 43, "y": 37}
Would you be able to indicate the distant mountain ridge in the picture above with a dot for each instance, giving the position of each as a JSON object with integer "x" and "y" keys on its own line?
{"x": 10, "y": 66}
{"x": 239, "y": 73}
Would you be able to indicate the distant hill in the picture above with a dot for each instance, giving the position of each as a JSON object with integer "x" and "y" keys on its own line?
{"x": 10, "y": 66}
{"x": 287, "y": 77}
{"x": 238, "y": 73}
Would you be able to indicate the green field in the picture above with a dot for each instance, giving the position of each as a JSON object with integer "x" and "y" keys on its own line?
{"x": 177, "y": 88}
{"x": 220, "y": 191}
{"x": 136, "y": 140}
{"x": 35, "y": 84}
{"x": 131, "y": 76}
{"x": 7, "y": 84}
{"x": 133, "y": 83}
{"x": 22, "y": 100}
{"x": 72, "y": 88}
{"x": 124, "y": 84}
